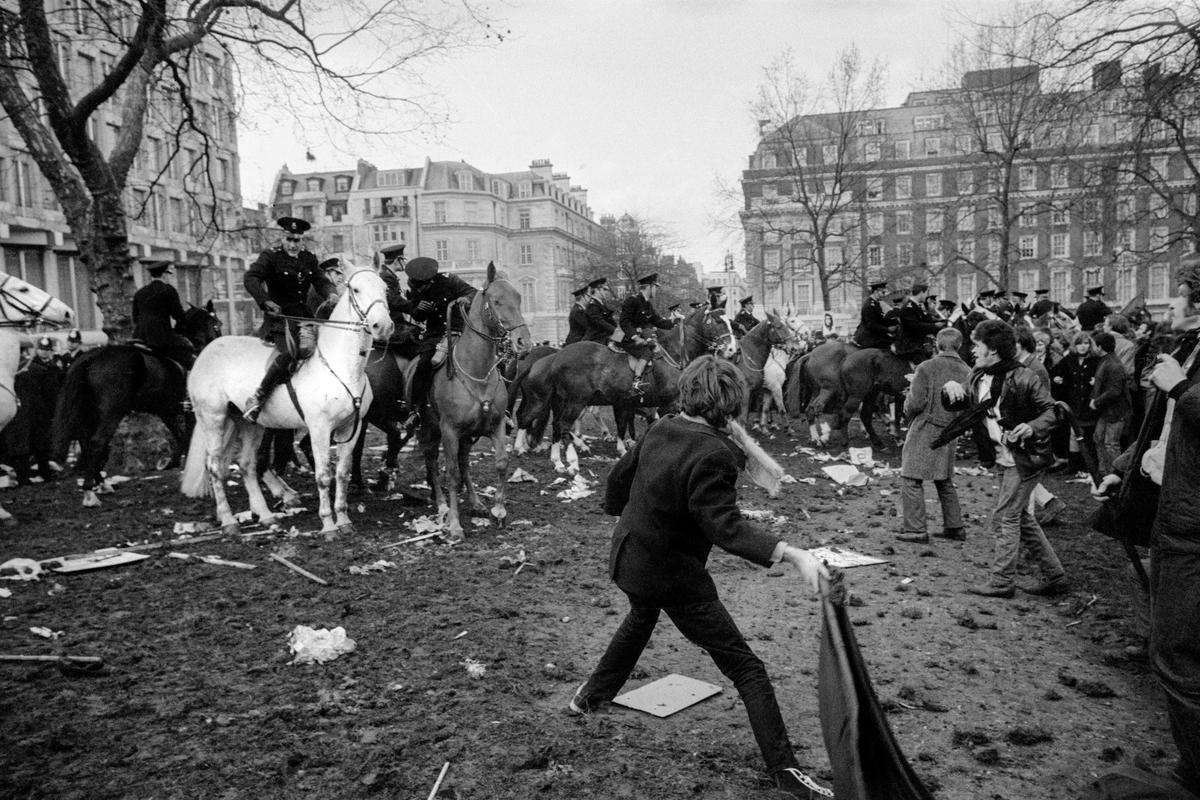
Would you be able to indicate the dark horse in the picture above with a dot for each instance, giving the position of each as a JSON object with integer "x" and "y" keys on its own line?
{"x": 106, "y": 384}
{"x": 846, "y": 378}
{"x": 588, "y": 373}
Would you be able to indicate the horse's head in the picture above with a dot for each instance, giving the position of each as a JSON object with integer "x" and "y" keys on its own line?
{"x": 200, "y": 325}
{"x": 364, "y": 302}
{"x": 23, "y": 302}
{"x": 716, "y": 332}
{"x": 501, "y": 311}
{"x": 777, "y": 331}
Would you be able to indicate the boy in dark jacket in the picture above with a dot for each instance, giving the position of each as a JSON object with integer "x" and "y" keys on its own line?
{"x": 1111, "y": 402}
{"x": 676, "y": 494}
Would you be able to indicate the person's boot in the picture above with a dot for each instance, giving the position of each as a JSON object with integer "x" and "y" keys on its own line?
{"x": 274, "y": 376}
{"x": 637, "y": 388}
{"x": 439, "y": 353}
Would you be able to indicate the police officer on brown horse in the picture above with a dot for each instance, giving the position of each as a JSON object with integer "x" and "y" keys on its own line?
{"x": 279, "y": 281}
{"x": 638, "y": 321}
{"x": 155, "y": 305}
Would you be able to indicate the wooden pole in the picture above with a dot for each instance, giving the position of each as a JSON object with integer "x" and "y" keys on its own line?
{"x": 75, "y": 659}
{"x": 438, "y": 783}
{"x": 298, "y": 570}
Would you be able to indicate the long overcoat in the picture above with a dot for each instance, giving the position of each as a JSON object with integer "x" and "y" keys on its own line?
{"x": 928, "y": 417}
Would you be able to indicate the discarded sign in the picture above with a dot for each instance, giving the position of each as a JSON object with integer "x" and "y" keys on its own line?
{"x": 845, "y": 474}
{"x": 101, "y": 559}
{"x": 668, "y": 695}
{"x": 842, "y": 558}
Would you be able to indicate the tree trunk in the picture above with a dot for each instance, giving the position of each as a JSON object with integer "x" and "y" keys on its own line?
{"x": 104, "y": 248}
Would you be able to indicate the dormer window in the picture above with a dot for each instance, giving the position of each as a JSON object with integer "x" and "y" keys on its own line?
{"x": 341, "y": 183}
{"x": 314, "y": 184}
{"x": 286, "y": 188}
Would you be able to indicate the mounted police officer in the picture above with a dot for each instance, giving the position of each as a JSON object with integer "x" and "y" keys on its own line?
{"x": 430, "y": 294}
{"x": 745, "y": 319}
{"x": 577, "y": 320}
{"x": 1042, "y": 305}
{"x": 1093, "y": 310}
{"x": 155, "y": 305}
{"x": 601, "y": 322}
{"x": 279, "y": 281}
{"x": 916, "y": 326}
{"x": 638, "y": 321}
{"x": 716, "y": 298}
{"x": 874, "y": 326}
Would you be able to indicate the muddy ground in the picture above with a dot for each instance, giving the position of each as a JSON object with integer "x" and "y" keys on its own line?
{"x": 1025, "y": 698}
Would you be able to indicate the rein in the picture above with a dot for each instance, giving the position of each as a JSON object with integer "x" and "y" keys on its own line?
{"x": 28, "y": 315}
{"x": 497, "y": 335}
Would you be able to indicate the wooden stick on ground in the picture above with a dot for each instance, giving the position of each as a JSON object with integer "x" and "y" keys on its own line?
{"x": 438, "y": 783}
{"x": 414, "y": 539}
{"x": 76, "y": 659}
{"x": 298, "y": 570}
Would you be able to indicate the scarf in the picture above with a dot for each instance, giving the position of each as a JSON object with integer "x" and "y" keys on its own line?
{"x": 998, "y": 371}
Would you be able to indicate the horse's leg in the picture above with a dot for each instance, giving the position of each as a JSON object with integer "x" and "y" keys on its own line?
{"x": 251, "y": 438}
{"x": 179, "y": 438}
{"x": 450, "y": 449}
{"x": 499, "y": 512}
{"x": 564, "y": 419}
{"x": 323, "y": 472}
{"x": 95, "y": 455}
{"x": 7, "y": 520}
{"x": 216, "y": 432}
{"x": 866, "y": 413}
{"x": 431, "y": 446}
{"x": 341, "y": 495}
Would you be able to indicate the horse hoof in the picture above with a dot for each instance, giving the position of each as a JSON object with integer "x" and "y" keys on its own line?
{"x": 90, "y": 500}
{"x": 347, "y": 529}
{"x": 232, "y": 529}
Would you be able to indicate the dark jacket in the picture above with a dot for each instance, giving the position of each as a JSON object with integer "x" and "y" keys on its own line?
{"x": 278, "y": 277}
{"x": 442, "y": 290}
{"x": 1024, "y": 398}
{"x": 155, "y": 305}
{"x": 601, "y": 322}
{"x": 577, "y": 324}
{"x": 637, "y": 315}
{"x": 36, "y": 387}
{"x": 874, "y": 328}
{"x": 1041, "y": 307}
{"x": 1090, "y": 313}
{"x": 1178, "y": 521}
{"x": 1073, "y": 379}
{"x": 743, "y": 323}
{"x": 916, "y": 326}
{"x": 928, "y": 418}
{"x": 676, "y": 493}
{"x": 1110, "y": 393}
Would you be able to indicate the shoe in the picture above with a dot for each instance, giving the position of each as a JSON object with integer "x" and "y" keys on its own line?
{"x": 953, "y": 534}
{"x": 1050, "y": 588}
{"x": 579, "y": 704}
{"x": 1050, "y": 512}
{"x": 797, "y": 784}
{"x": 992, "y": 590}
{"x": 253, "y": 408}
{"x": 915, "y": 538}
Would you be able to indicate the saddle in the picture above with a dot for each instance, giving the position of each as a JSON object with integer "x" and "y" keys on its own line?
{"x": 145, "y": 349}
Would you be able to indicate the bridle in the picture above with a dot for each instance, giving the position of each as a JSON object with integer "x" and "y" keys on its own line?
{"x": 771, "y": 341}
{"x": 712, "y": 344}
{"x": 28, "y": 315}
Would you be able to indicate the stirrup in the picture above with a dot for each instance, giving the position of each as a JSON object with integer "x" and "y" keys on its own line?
{"x": 253, "y": 409}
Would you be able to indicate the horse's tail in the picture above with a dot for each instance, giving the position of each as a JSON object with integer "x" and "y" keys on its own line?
{"x": 796, "y": 389}
{"x": 75, "y": 412}
{"x": 194, "y": 480}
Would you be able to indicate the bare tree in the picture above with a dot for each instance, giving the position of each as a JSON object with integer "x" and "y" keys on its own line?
{"x": 350, "y": 62}
{"x": 810, "y": 171}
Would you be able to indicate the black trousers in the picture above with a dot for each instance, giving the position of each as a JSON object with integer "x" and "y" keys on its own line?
{"x": 708, "y": 625}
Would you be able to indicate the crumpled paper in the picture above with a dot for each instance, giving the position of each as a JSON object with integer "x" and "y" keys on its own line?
{"x": 579, "y": 488}
{"x": 319, "y": 644}
{"x": 21, "y": 569}
{"x": 376, "y": 566}
{"x": 845, "y": 474}
{"x": 521, "y": 476}
{"x": 861, "y": 457}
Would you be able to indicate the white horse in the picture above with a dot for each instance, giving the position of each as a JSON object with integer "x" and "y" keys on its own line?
{"x": 332, "y": 395}
{"x": 774, "y": 375}
{"x": 21, "y": 305}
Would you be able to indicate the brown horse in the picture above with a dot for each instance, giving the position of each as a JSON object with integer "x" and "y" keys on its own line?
{"x": 754, "y": 350}
{"x": 469, "y": 398}
{"x": 846, "y": 378}
{"x": 588, "y": 373}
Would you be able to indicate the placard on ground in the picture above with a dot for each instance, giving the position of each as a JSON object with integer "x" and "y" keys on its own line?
{"x": 665, "y": 696}
{"x": 842, "y": 558}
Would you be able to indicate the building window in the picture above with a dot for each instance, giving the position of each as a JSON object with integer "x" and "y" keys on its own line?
{"x": 1157, "y": 286}
{"x": 1027, "y": 280}
{"x": 472, "y": 250}
{"x": 903, "y": 148}
{"x": 993, "y": 217}
{"x": 337, "y": 242}
{"x": 933, "y": 184}
{"x": 439, "y": 211}
{"x": 1091, "y": 209}
{"x": 1027, "y": 247}
{"x": 1058, "y": 176}
{"x": 386, "y": 233}
{"x": 874, "y": 188}
{"x": 1058, "y": 245}
{"x": 313, "y": 184}
{"x": 766, "y": 160}
{"x": 966, "y": 247}
{"x": 872, "y": 127}
{"x": 871, "y": 151}
{"x": 874, "y": 256}
{"x": 928, "y": 123}
{"x": 1027, "y": 178}
{"x": 1125, "y": 239}
{"x": 1159, "y": 166}
{"x": 441, "y": 248}
{"x": 1060, "y": 285}
{"x": 829, "y": 153}
{"x": 526, "y": 258}
{"x": 966, "y": 287}
{"x": 875, "y": 224}
{"x": 341, "y": 183}
{"x": 962, "y": 144}
{"x": 1159, "y": 238}
{"x": 904, "y": 254}
{"x": 966, "y": 181}
{"x": 933, "y": 220}
{"x": 1158, "y": 206}
{"x": 995, "y": 142}
{"x": 903, "y": 222}
{"x": 1124, "y": 209}
{"x": 1093, "y": 243}
{"x": 1125, "y": 285}
{"x": 903, "y": 186}
{"x": 1060, "y": 215}
{"x": 964, "y": 218}
{"x": 1028, "y": 216}
{"x": 933, "y": 146}
{"x": 1092, "y": 135}
{"x": 993, "y": 250}
{"x": 285, "y": 187}
{"x": 471, "y": 211}
{"x": 523, "y": 219}
{"x": 933, "y": 252}
{"x": 1093, "y": 276}
{"x": 529, "y": 294}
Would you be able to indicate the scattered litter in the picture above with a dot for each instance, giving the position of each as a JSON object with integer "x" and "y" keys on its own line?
{"x": 459, "y": 636}
{"x": 438, "y": 783}
{"x": 191, "y": 527}
{"x": 970, "y": 471}
{"x": 319, "y": 644}
{"x": 885, "y": 493}
{"x": 475, "y": 669}
{"x": 579, "y": 488}
{"x": 885, "y": 471}
{"x": 117, "y": 479}
{"x": 666, "y": 696}
{"x": 520, "y": 522}
{"x": 411, "y": 539}
{"x": 45, "y": 633}
{"x": 509, "y": 561}
{"x": 845, "y": 474}
{"x": 376, "y": 566}
{"x": 842, "y": 558}
{"x": 785, "y": 478}
{"x": 217, "y": 560}
{"x": 297, "y": 570}
{"x": 479, "y": 522}
{"x": 861, "y": 457}
{"x": 764, "y": 516}
{"x": 5, "y": 592}
{"x": 521, "y": 476}
{"x": 422, "y": 485}
{"x": 244, "y": 516}
{"x": 428, "y": 524}
{"x": 21, "y": 569}
{"x": 100, "y": 559}
{"x": 558, "y": 480}
{"x": 1078, "y": 480}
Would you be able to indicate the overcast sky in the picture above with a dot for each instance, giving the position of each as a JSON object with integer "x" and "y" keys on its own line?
{"x": 645, "y": 103}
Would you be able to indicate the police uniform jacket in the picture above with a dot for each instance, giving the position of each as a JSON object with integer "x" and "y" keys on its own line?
{"x": 278, "y": 277}
{"x": 873, "y": 326}
{"x": 1090, "y": 313}
{"x": 577, "y": 324}
{"x": 442, "y": 290}
{"x": 743, "y": 323}
{"x": 637, "y": 314}
{"x": 1041, "y": 307}
{"x": 154, "y": 306}
{"x": 601, "y": 322}
{"x": 36, "y": 387}
{"x": 916, "y": 326}
{"x": 66, "y": 359}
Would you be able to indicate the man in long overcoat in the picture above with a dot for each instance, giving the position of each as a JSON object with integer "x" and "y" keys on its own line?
{"x": 155, "y": 305}
{"x": 919, "y": 462}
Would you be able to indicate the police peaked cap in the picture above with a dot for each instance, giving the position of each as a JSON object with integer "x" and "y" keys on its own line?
{"x": 580, "y": 292}
{"x": 715, "y": 289}
{"x": 1022, "y": 295}
{"x": 331, "y": 263}
{"x": 293, "y": 224}
{"x": 672, "y": 308}
{"x": 878, "y": 285}
{"x": 392, "y": 251}
{"x": 158, "y": 268}
{"x": 747, "y": 299}
{"x": 45, "y": 343}
{"x": 421, "y": 268}
{"x": 917, "y": 288}
{"x": 596, "y": 283}
{"x": 1041, "y": 291}
{"x": 648, "y": 280}
{"x": 946, "y": 304}
{"x": 75, "y": 336}
{"x": 1096, "y": 290}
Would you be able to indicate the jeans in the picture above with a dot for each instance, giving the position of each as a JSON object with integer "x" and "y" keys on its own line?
{"x": 1013, "y": 526}
{"x": 1175, "y": 643}
{"x": 1107, "y": 438}
{"x": 708, "y": 625}
{"x": 912, "y": 500}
